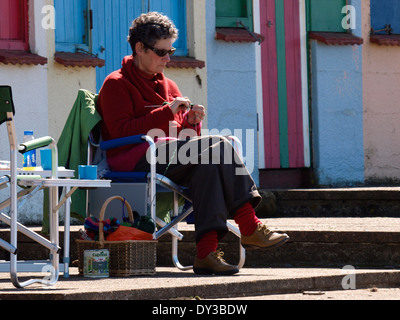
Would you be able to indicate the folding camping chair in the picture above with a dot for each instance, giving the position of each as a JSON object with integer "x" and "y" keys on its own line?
{"x": 154, "y": 183}
{"x": 31, "y": 185}
{"x": 7, "y": 113}
{"x": 144, "y": 187}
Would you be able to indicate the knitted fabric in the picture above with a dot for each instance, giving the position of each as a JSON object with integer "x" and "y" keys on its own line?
{"x": 247, "y": 220}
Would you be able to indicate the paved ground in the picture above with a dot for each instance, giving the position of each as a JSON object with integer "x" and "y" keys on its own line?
{"x": 170, "y": 283}
{"x": 373, "y": 293}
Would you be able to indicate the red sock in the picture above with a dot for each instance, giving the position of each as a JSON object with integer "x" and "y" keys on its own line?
{"x": 208, "y": 243}
{"x": 247, "y": 220}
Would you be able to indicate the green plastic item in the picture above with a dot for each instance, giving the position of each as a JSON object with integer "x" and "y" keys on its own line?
{"x": 6, "y": 103}
{"x": 35, "y": 144}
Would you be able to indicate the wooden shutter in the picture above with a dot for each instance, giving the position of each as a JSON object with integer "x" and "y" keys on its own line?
{"x": 111, "y": 22}
{"x": 230, "y": 12}
{"x": 385, "y": 13}
{"x": 72, "y": 29}
{"x": 176, "y": 11}
{"x": 13, "y": 24}
{"x": 325, "y": 15}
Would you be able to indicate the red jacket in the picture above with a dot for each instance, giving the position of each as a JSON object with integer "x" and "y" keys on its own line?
{"x": 124, "y": 104}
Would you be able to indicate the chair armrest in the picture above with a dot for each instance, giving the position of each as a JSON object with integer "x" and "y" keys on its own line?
{"x": 35, "y": 144}
{"x": 116, "y": 143}
{"x": 41, "y": 143}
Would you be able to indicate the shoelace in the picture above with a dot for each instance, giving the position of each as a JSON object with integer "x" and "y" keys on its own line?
{"x": 219, "y": 254}
{"x": 264, "y": 229}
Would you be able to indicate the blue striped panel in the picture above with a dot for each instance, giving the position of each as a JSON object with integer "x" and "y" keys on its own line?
{"x": 385, "y": 12}
{"x": 111, "y": 22}
{"x": 71, "y": 26}
{"x": 176, "y": 11}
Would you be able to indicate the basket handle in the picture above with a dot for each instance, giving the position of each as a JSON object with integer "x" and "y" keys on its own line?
{"x": 103, "y": 212}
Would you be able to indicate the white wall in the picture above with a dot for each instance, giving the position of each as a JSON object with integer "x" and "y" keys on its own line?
{"x": 43, "y": 96}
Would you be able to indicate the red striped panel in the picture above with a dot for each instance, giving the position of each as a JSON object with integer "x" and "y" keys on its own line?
{"x": 13, "y": 24}
{"x": 270, "y": 85}
{"x": 294, "y": 85}
{"x": 5, "y": 19}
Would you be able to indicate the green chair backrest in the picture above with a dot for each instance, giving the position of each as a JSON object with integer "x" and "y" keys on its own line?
{"x": 6, "y": 103}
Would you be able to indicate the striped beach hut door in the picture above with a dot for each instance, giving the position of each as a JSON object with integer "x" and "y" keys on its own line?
{"x": 285, "y": 118}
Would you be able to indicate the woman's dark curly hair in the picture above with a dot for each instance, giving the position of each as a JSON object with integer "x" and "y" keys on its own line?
{"x": 150, "y": 27}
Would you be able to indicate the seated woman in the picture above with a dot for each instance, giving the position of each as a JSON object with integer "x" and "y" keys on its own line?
{"x": 139, "y": 99}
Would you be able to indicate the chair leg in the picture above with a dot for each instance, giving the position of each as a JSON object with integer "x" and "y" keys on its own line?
{"x": 171, "y": 227}
{"x": 6, "y": 246}
{"x": 54, "y": 235}
{"x": 175, "y": 233}
{"x": 13, "y": 220}
{"x": 13, "y": 225}
{"x": 242, "y": 251}
{"x": 175, "y": 258}
{"x": 67, "y": 227}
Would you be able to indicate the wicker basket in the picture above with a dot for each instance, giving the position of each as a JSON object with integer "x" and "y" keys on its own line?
{"x": 127, "y": 258}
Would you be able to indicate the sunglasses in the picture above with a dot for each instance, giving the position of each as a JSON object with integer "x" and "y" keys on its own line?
{"x": 161, "y": 52}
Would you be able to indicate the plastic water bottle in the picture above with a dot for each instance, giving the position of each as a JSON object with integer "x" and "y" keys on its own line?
{"x": 30, "y": 156}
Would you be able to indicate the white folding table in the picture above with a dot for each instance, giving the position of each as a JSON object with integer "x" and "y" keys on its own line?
{"x": 70, "y": 186}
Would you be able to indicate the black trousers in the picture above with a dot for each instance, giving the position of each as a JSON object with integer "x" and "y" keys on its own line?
{"x": 217, "y": 179}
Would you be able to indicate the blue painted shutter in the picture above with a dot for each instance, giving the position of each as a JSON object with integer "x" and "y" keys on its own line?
{"x": 385, "y": 12}
{"x": 72, "y": 29}
{"x": 176, "y": 11}
{"x": 111, "y": 23}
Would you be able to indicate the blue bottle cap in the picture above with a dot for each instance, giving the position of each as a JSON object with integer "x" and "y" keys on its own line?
{"x": 28, "y": 133}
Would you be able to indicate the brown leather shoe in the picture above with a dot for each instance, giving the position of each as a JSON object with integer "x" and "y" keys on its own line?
{"x": 214, "y": 264}
{"x": 263, "y": 238}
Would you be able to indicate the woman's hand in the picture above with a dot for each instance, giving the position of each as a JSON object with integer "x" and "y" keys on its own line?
{"x": 180, "y": 103}
{"x": 196, "y": 114}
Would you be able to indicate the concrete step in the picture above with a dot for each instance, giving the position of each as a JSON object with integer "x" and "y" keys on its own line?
{"x": 333, "y": 202}
{"x": 314, "y": 242}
